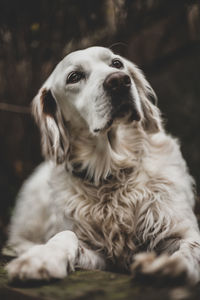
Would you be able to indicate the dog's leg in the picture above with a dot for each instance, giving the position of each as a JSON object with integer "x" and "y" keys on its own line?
{"x": 184, "y": 263}
{"x": 89, "y": 259}
{"x": 51, "y": 260}
{"x": 17, "y": 248}
{"x": 55, "y": 259}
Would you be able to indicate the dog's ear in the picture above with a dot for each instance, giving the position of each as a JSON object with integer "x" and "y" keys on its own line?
{"x": 55, "y": 141}
{"x": 151, "y": 120}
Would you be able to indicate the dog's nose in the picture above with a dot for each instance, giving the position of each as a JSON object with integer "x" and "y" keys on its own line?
{"x": 117, "y": 82}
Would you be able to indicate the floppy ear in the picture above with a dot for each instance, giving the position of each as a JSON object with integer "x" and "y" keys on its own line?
{"x": 151, "y": 120}
{"x": 55, "y": 141}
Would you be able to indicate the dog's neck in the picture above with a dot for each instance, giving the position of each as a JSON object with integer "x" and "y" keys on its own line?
{"x": 101, "y": 158}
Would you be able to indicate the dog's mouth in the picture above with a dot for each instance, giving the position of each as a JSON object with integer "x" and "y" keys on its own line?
{"x": 124, "y": 113}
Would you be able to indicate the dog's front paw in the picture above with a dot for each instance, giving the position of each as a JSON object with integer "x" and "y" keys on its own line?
{"x": 163, "y": 266}
{"x": 41, "y": 262}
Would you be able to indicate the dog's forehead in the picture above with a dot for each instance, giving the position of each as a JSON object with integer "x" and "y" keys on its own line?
{"x": 92, "y": 54}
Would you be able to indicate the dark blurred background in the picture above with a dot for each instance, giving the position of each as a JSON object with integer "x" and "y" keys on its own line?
{"x": 161, "y": 36}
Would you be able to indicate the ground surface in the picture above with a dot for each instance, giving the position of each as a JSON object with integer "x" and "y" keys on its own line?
{"x": 95, "y": 285}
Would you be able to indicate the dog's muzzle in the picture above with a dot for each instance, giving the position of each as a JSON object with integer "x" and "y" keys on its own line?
{"x": 118, "y": 87}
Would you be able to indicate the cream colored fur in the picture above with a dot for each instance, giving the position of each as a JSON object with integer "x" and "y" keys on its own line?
{"x": 103, "y": 197}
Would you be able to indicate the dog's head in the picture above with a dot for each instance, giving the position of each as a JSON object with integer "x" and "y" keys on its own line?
{"x": 92, "y": 89}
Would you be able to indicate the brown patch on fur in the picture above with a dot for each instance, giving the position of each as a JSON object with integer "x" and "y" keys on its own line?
{"x": 48, "y": 103}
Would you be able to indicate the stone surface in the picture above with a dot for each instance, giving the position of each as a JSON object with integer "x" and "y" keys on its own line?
{"x": 95, "y": 285}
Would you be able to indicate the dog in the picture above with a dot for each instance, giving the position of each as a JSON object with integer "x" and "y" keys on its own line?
{"x": 114, "y": 190}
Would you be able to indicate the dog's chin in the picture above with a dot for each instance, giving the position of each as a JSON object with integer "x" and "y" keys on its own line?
{"x": 124, "y": 114}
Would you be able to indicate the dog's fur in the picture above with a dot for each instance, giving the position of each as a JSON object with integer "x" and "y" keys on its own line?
{"x": 114, "y": 189}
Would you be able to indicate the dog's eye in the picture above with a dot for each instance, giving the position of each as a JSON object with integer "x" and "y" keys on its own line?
{"x": 116, "y": 63}
{"x": 74, "y": 77}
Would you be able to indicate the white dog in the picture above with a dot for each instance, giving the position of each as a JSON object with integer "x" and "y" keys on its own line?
{"x": 114, "y": 189}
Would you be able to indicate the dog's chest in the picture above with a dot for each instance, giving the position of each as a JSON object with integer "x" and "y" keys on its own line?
{"x": 107, "y": 221}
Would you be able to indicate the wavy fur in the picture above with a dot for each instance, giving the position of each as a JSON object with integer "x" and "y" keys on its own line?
{"x": 117, "y": 186}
